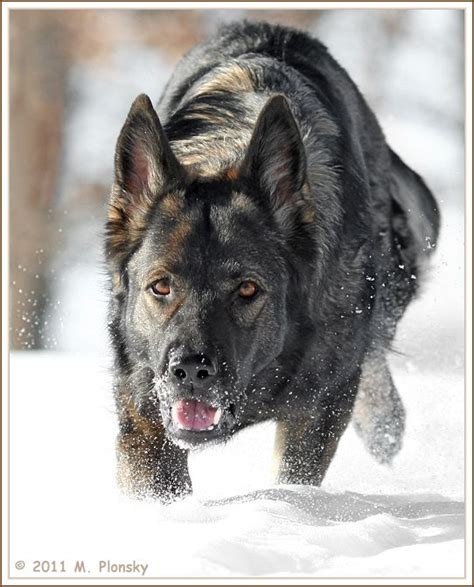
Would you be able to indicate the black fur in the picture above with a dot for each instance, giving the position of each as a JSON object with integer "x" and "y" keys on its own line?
{"x": 270, "y": 169}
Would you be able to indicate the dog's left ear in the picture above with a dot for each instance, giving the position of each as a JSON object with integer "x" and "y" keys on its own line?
{"x": 275, "y": 160}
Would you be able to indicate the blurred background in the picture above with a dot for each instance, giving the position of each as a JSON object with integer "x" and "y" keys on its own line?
{"x": 73, "y": 76}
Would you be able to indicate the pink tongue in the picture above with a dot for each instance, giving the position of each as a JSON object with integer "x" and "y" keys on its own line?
{"x": 194, "y": 415}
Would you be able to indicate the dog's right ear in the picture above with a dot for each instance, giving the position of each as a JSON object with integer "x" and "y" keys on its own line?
{"x": 145, "y": 166}
{"x": 144, "y": 161}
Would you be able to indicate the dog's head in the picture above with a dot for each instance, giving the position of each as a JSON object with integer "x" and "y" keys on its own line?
{"x": 202, "y": 268}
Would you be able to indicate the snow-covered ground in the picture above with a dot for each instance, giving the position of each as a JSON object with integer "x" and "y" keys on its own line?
{"x": 367, "y": 520}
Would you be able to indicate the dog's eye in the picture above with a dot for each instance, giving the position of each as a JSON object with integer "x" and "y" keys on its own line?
{"x": 161, "y": 287}
{"x": 248, "y": 289}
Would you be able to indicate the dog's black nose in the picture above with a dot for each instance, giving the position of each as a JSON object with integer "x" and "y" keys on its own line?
{"x": 196, "y": 369}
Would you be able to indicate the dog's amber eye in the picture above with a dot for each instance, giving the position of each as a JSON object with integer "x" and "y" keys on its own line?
{"x": 161, "y": 287}
{"x": 248, "y": 289}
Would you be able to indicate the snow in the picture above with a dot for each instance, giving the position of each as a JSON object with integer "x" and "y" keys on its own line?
{"x": 366, "y": 520}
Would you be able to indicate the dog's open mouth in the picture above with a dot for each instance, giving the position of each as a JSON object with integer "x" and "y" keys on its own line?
{"x": 192, "y": 422}
{"x": 195, "y": 415}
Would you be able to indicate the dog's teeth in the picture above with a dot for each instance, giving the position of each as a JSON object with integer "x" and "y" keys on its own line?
{"x": 211, "y": 427}
{"x": 217, "y": 416}
{"x": 174, "y": 417}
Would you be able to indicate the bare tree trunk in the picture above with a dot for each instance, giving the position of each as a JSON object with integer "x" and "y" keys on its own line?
{"x": 37, "y": 96}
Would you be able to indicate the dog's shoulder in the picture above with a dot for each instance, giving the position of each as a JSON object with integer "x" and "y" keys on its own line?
{"x": 235, "y": 42}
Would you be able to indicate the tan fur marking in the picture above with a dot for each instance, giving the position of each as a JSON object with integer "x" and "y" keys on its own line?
{"x": 218, "y": 151}
{"x": 309, "y": 215}
{"x": 165, "y": 313}
{"x": 136, "y": 464}
{"x": 229, "y": 78}
{"x": 143, "y": 425}
{"x": 134, "y": 471}
{"x": 116, "y": 281}
{"x": 172, "y": 205}
{"x": 211, "y": 155}
{"x": 279, "y": 447}
{"x": 127, "y": 220}
{"x": 136, "y": 461}
{"x": 115, "y": 211}
{"x": 178, "y": 235}
{"x": 242, "y": 202}
{"x": 298, "y": 429}
{"x": 231, "y": 174}
{"x": 192, "y": 159}
{"x": 171, "y": 257}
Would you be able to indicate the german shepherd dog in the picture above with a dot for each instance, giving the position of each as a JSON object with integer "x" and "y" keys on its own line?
{"x": 263, "y": 241}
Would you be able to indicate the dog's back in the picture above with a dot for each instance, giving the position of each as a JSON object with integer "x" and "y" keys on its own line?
{"x": 258, "y": 58}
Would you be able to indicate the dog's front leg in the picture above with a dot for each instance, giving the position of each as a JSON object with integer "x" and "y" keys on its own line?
{"x": 304, "y": 448}
{"x": 150, "y": 465}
